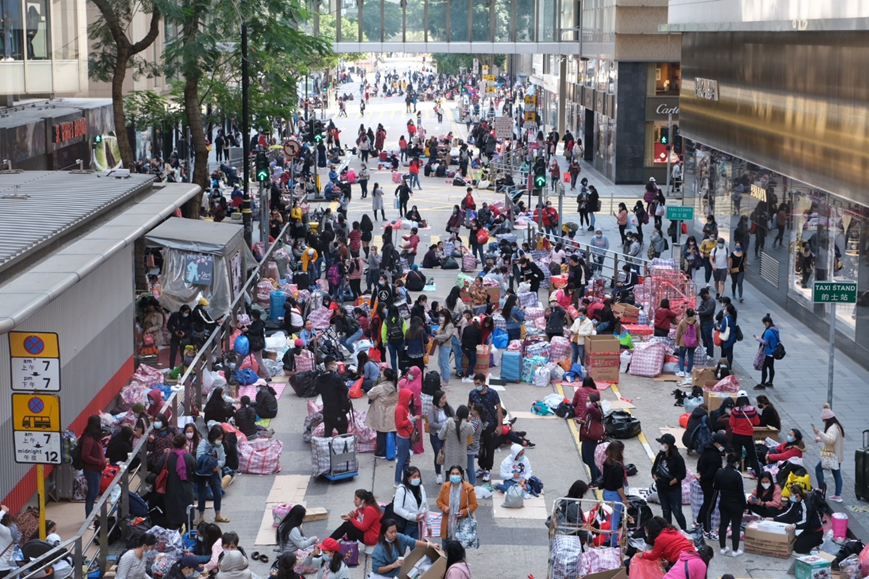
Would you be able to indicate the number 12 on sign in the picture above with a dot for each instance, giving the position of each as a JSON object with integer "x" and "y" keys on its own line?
{"x": 38, "y": 447}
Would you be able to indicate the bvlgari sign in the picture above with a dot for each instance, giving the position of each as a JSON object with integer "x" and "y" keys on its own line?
{"x": 659, "y": 108}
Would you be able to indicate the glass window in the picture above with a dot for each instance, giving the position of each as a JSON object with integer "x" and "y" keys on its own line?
{"x": 546, "y": 21}
{"x": 415, "y": 20}
{"x": 64, "y": 22}
{"x": 459, "y": 20}
{"x": 524, "y": 20}
{"x": 437, "y": 20}
{"x": 37, "y": 29}
{"x": 503, "y": 8}
{"x": 371, "y": 20}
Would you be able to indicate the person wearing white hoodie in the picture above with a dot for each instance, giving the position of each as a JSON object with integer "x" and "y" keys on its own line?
{"x": 515, "y": 469}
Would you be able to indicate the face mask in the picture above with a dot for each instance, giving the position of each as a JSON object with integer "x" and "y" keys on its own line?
{"x": 184, "y": 315}
{"x": 192, "y": 575}
{"x": 589, "y": 404}
{"x": 200, "y": 538}
{"x": 416, "y": 482}
{"x": 388, "y": 540}
{"x": 663, "y": 448}
{"x": 765, "y": 485}
{"x": 794, "y": 499}
{"x": 455, "y": 479}
{"x": 326, "y": 556}
{"x": 790, "y": 439}
{"x": 479, "y": 388}
{"x": 158, "y": 425}
{"x": 581, "y": 318}
{"x": 259, "y": 389}
{"x": 189, "y": 435}
{"x": 599, "y": 235}
{"x": 381, "y": 283}
{"x": 720, "y": 246}
{"x": 738, "y": 248}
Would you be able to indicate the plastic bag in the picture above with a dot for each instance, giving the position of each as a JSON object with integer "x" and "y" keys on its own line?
{"x": 850, "y": 568}
{"x": 356, "y": 389}
{"x": 727, "y": 384}
{"x": 514, "y": 498}
{"x": 242, "y": 345}
{"x": 645, "y": 569}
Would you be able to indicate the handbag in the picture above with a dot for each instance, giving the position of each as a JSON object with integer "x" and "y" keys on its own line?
{"x": 716, "y": 337}
{"x": 163, "y": 478}
{"x": 148, "y": 339}
{"x": 829, "y": 459}
{"x": 758, "y": 358}
{"x": 415, "y": 436}
{"x": 522, "y": 331}
{"x": 350, "y": 551}
{"x": 441, "y": 457}
{"x": 466, "y": 533}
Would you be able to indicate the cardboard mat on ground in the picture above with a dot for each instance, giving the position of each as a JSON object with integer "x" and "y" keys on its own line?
{"x": 286, "y": 489}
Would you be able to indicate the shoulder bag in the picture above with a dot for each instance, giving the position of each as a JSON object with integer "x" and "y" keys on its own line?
{"x": 522, "y": 330}
{"x": 160, "y": 485}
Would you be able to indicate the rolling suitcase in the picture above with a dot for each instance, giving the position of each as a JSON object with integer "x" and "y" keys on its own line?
{"x": 511, "y": 366}
{"x": 861, "y": 469}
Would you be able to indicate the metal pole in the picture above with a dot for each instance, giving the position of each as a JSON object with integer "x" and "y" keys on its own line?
{"x": 40, "y": 490}
{"x": 560, "y": 208}
{"x": 263, "y": 216}
{"x": 832, "y": 354}
{"x": 669, "y": 144}
{"x": 247, "y": 218}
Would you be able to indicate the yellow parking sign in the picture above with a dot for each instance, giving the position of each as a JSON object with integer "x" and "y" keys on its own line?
{"x": 36, "y": 412}
{"x": 34, "y": 345}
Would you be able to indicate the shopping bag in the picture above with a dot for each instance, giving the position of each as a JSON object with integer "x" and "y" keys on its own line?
{"x": 758, "y": 358}
{"x": 566, "y": 177}
{"x": 645, "y": 568}
{"x": 466, "y": 533}
{"x": 356, "y": 389}
{"x": 350, "y": 551}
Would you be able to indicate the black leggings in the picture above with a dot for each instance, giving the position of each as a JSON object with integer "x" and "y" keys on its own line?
{"x": 733, "y": 518}
{"x": 808, "y": 540}
{"x": 704, "y": 514}
{"x": 768, "y": 366}
{"x": 349, "y": 529}
{"x": 740, "y": 441}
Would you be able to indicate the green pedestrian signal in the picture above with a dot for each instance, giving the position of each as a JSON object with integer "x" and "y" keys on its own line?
{"x": 98, "y": 139}
{"x": 540, "y": 177}
{"x": 262, "y": 167}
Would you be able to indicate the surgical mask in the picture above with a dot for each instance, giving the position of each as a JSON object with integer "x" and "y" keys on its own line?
{"x": 790, "y": 439}
{"x": 794, "y": 499}
{"x": 479, "y": 388}
{"x": 259, "y": 389}
{"x": 455, "y": 479}
{"x": 326, "y": 556}
{"x": 581, "y": 318}
{"x": 765, "y": 485}
{"x": 381, "y": 283}
{"x": 200, "y": 538}
{"x": 738, "y": 248}
{"x": 662, "y": 448}
{"x": 598, "y": 235}
{"x": 158, "y": 425}
{"x": 189, "y": 435}
{"x": 720, "y": 246}
{"x": 416, "y": 482}
{"x": 388, "y": 540}
{"x": 589, "y": 404}
{"x": 192, "y": 575}
{"x": 184, "y": 315}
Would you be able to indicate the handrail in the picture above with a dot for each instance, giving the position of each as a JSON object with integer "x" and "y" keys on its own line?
{"x": 616, "y": 256}
{"x": 79, "y": 544}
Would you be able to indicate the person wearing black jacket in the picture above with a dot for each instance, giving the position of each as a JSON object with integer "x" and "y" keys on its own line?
{"x": 472, "y": 336}
{"x": 531, "y": 273}
{"x": 336, "y": 398}
{"x": 266, "y": 404}
{"x": 804, "y": 515}
{"x": 179, "y": 326}
{"x": 668, "y": 471}
{"x": 708, "y": 466}
{"x": 556, "y": 319}
{"x": 256, "y": 334}
{"x": 349, "y": 330}
{"x": 245, "y": 418}
{"x": 706, "y": 314}
{"x": 728, "y": 486}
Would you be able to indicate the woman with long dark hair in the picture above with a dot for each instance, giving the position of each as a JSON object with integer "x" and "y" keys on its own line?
{"x": 93, "y": 457}
{"x": 328, "y": 560}
{"x": 410, "y": 502}
{"x": 415, "y": 342}
{"x": 438, "y": 414}
{"x": 514, "y": 317}
{"x": 833, "y": 453}
{"x": 388, "y": 555}
{"x": 668, "y": 471}
{"x": 289, "y": 535}
{"x": 457, "y": 567}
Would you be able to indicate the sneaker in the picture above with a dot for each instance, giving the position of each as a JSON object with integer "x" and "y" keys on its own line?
{"x": 680, "y": 374}
{"x": 530, "y": 444}
{"x": 711, "y": 535}
{"x": 836, "y": 499}
{"x": 468, "y": 380}
{"x": 736, "y": 553}
{"x": 439, "y": 479}
{"x": 760, "y": 387}
{"x": 686, "y": 382}
{"x": 479, "y": 473}
{"x": 741, "y": 300}
{"x": 486, "y": 476}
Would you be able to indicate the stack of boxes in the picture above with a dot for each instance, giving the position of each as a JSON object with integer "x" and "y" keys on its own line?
{"x": 602, "y": 357}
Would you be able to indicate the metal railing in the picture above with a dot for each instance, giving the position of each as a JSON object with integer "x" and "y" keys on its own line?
{"x": 86, "y": 537}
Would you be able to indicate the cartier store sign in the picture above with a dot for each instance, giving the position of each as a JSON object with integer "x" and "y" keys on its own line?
{"x": 659, "y": 108}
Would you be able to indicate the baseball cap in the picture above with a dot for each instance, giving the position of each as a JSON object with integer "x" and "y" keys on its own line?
{"x": 667, "y": 439}
{"x": 742, "y": 393}
{"x": 652, "y": 180}
{"x": 330, "y": 544}
{"x": 476, "y": 319}
{"x": 299, "y": 343}
{"x": 190, "y": 561}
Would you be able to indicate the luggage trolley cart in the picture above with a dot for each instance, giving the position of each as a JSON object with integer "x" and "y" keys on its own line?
{"x": 572, "y": 531}
{"x": 342, "y": 458}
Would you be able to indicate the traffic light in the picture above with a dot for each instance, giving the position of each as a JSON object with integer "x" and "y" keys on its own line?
{"x": 539, "y": 176}
{"x": 318, "y": 132}
{"x": 262, "y": 167}
{"x": 665, "y": 136}
{"x": 97, "y": 140}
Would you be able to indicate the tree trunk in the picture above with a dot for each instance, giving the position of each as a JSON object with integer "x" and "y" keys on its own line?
{"x": 120, "y": 121}
{"x": 193, "y": 109}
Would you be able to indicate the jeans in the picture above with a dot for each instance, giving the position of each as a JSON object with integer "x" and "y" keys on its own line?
{"x": 587, "y": 448}
{"x": 472, "y": 361}
{"x": 393, "y": 357}
{"x": 479, "y": 250}
{"x": 402, "y": 456}
{"x": 380, "y": 448}
{"x": 577, "y": 352}
{"x": 93, "y": 478}
{"x": 617, "y": 514}
{"x": 671, "y": 505}
{"x": 591, "y": 216}
{"x": 480, "y": 310}
{"x": 707, "y": 266}
{"x": 470, "y": 470}
{"x": 411, "y": 530}
{"x": 819, "y": 474}
{"x": 348, "y": 341}
{"x": 414, "y": 178}
{"x": 736, "y": 280}
{"x": 706, "y": 333}
{"x": 203, "y": 483}
{"x": 444, "y": 361}
{"x": 457, "y": 354}
{"x": 683, "y": 353}
{"x": 436, "y": 445}
{"x": 728, "y": 353}
{"x": 505, "y": 485}
{"x": 317, "y": 270}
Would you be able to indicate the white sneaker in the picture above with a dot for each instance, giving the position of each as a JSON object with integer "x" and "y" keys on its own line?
{"x": 439, "y": 479}
{"x": 468, "y": 380}
{"x": 725, "y": 550}
{"x": 680, "y": 374}
{"x": 737, "y": 553}
{"x": 486, "y": 476}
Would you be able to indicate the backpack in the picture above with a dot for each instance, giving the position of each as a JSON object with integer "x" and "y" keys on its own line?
{"x": 333, "y": 275}
{"x": 75, "y": 456}
{"x": 700, "y": 436}
{"x": 431, "y": 383}
{"x": 779, "y": 352}
{"x": 689, "y": 338}
{"x": 394, "y": 332}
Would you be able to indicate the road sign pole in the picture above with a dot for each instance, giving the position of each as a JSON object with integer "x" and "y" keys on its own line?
{"x": 40, "y": 490}
{"x": 667, "y": 148}
{"x": 832, "y": 355}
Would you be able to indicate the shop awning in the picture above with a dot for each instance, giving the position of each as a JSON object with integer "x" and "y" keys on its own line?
{"x": 197, "y": 236}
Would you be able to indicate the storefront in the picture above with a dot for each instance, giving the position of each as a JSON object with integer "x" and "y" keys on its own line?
{"x": 54, "y": 135}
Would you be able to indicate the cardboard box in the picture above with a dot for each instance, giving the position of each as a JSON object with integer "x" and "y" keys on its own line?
{"x": 603, "y": 368}
{"x": 813, "y": 567}
{"x": 484, "y": 357}
{"x": 769, "y": 539}
{"x": 761, "y": 433}
{"x": 619, "y": 573}
{"x": 436, "y": 571}
{"x": 699, "y": 376}
{"x": 713, "y": 400}
{"x": 605, "y": 344}
{"x": 626, "y": 312}
{"x": 494, "y": 293}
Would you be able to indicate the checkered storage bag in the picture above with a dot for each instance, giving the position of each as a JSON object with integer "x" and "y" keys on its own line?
{"x": 696, "y": 498}
{"x": 565, "y": 554}
{"x": 320, "y": 318}
{"x": 532, "y": 313}
{"x": 305, "y": 361}
{"x": 560, "y": 348}
{"x": 321, "y": 454}
{"x": 542, "y": 349}
{"x": 647, "y": 361}
{"x": 527, "y": 299}
{"x": 600, "y": 560}
{"x": 260, "y": 456}
{"x": 499, "y": 321}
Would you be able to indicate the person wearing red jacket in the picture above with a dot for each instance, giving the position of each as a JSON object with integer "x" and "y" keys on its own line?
{"x": 406, "y": 415}
{"x": 93, "y": 455}
{"x": 743, "y": 419}
{"x": 362, "y": 523}
{"x": 550, "y": 219}
{"x": 667, "y": 542}
{"x": 663, "y": 317}
{"x": 792, "y": 447}
{"x": 591, "y": 432}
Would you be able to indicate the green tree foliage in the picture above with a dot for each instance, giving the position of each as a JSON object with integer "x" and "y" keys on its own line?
{"x": 349, "y": 33}
{"x": 453, "y": 63}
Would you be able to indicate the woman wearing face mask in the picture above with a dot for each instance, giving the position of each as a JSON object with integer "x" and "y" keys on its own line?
{"x": 708, "y": 466}
{"x": 743, "y": 419}
{"x": 210, "y": 459}
{"x": 328, "y": 560}
{"x": 769, "y": 342}
{"x": 804, "y": 517}
{"x": 187, "y": 567}
{"x": 381, "y": 414}
{"x": 456, "y": 500}
{"x": 454, "y": 223}
{"x": 191, "y": 433}
{"x": 792, "y": 447}
{"x": 438, "y": 414}
{"x": 581, "y": 328}
{"x": 245, "y": 418}
{"x": 614, "y": 479}
{"x": 765, "y": 500}
{"x": 728, "y": 486}
{"x": 833, "y": 453}
{"x": 180, "y": 471}
{"x": 591, "y": 432}
{"x": 410, "y": 504}
{"x": 444, "y": 337}
{"x": 266, "y": 403}
{"x": 363, "y": 522}
{"x": 736, "y": 265}
{"x": 134, "y": 564}
{"x": 622, "y": 220}
{"x": 768, "y": 414}
{"x": 388, "y": 555}
{"x": 668, "y": 471}
{"x": 160, "y": 440}
{"x": 691, "y": 258}
{"x": 727, "y": 333}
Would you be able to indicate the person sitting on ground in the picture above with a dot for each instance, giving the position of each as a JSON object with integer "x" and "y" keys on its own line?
{"x": 362, "y": 523}
{"x": 804, "y": 516}
{"x": 266, "y": 403}
{"x": 768, "y": 413}
{"x": 415, "y": 280}
{"x": 245, "y": 418}
{"x": 289, "y": 535}
{"x": 133, "y": 563}
{"x": 667, "y": 542}
{"x": 413, "y": 215}
{"x": 765, "y": 500}
{"x": 515, "y": 469}
{"x": 792, "y": 447}
{"x": 328, "y": 560}
{"x": 233, "y": 565}
{"x": 388, "y": 555}
{"x": 431, "y": 259}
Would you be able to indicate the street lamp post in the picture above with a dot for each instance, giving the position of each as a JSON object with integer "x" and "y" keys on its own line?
{"x": 247, "y": 216}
